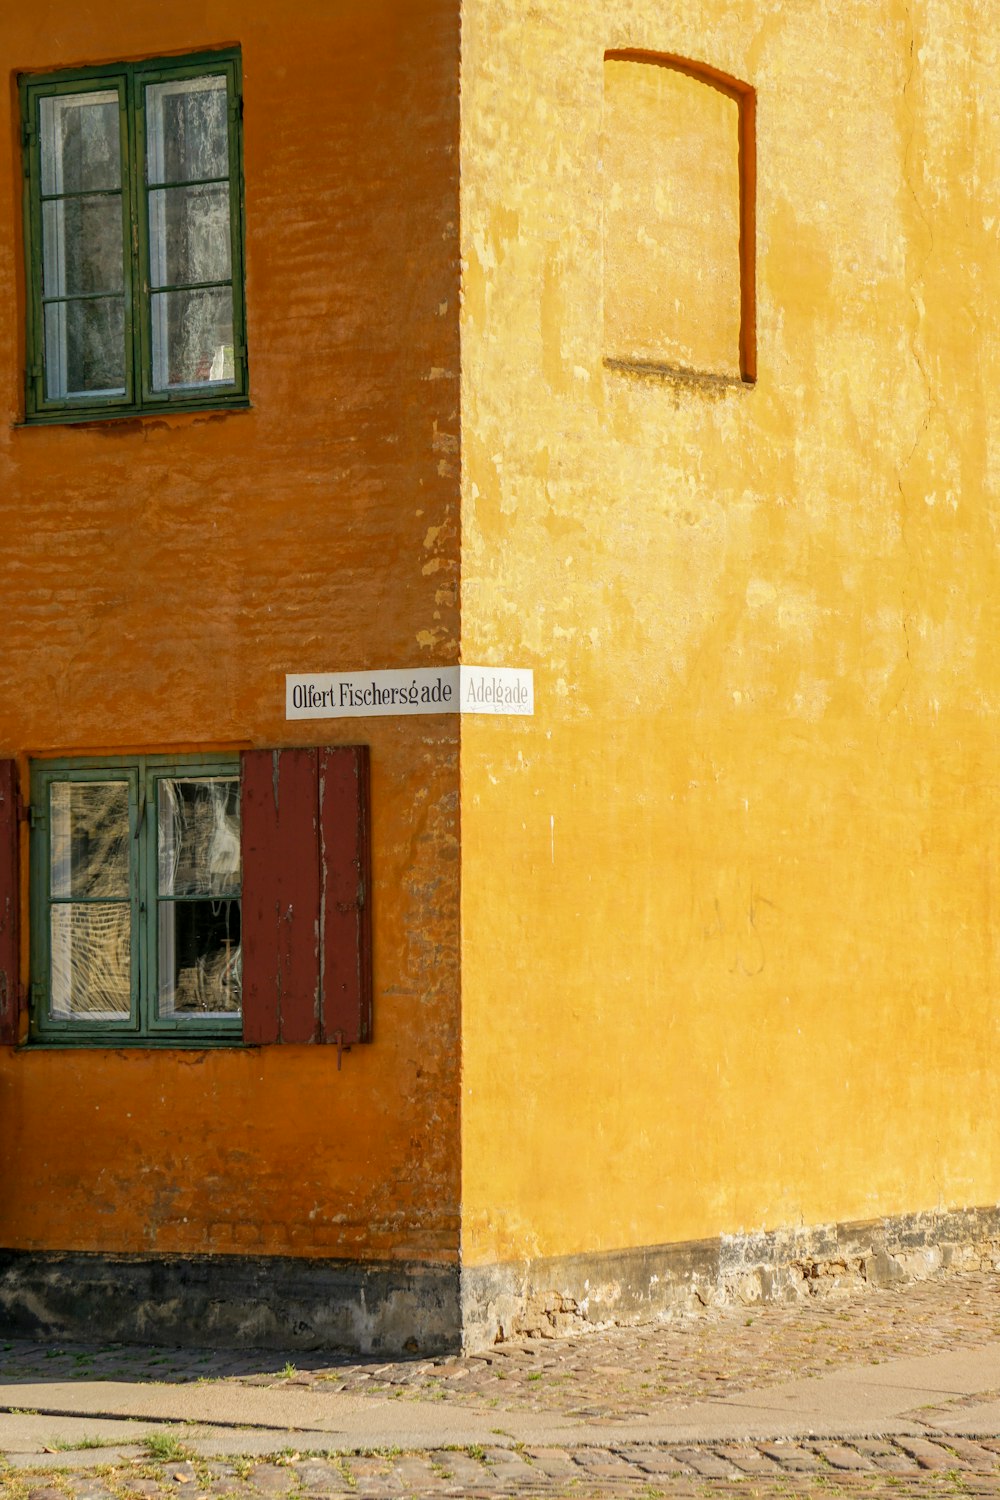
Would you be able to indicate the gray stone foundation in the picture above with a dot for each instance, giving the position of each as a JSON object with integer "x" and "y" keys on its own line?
{"x": 255, "y": 1302}
{"x": 569, "y": 1294}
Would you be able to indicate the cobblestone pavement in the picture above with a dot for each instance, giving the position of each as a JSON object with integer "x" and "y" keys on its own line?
{"x": 915, "y": 1467}
{"x": 611, "y": 1376}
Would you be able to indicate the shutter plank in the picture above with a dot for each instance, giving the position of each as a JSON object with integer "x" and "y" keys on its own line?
{"x": 346, "y": 922}
{"x": 281, "y": 896}
{"x": 10, "y": 887}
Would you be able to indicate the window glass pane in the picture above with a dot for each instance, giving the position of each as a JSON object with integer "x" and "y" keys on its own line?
{"x": 186, "y": 135}
{"x": 189, "y": 235}
{"x": 82, "y": 246}
{"x": 89, "y": 845}
{"x": 80, "y": 140}
{"x": 192, "y": 338}
{"x": 199, "y": 837}
{"x": 200, "y": 959}
{"x": 91, "y": 961}
{"x": 85, "y": 347}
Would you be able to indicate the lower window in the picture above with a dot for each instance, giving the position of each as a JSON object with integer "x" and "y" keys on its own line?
{"x": 136, "y": 884}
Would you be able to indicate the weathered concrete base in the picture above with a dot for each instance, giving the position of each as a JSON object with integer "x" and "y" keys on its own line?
{"x": 262, "y": 1302}
{"x": 568, "y": 1294}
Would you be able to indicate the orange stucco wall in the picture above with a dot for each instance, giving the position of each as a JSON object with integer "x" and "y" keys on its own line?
{"x": 159, "y": 578}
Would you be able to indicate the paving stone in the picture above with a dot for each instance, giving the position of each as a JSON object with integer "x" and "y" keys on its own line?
{"x": 930, "y": 1456}
{"x": 506, "y": 1466}
{"x": 553, "y": 1463}
{"x": 463, "y": 1469}
{"x": 273, "y": 1479}
{"x": 844, "y": 1456}
{"x": 415, "y": 1473}
{"x": 179, "y": 1473}
{"x": 651, "y": 1459}
{"x": 976, "y": 1455}
{"x": 703, "y": 1461}
{"x": 316, "y": 1477}
{"x": 793, "y": 1459}
{"x": 374, "y": 1484}
{"x": 886, "y": 1456}
{"x": 747, "y": 1459}
{"x": 46, "y": 1492}
{"x": 604, "y": 1464}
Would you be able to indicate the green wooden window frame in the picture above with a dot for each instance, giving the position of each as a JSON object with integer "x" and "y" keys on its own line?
{"x": 144, "y": 296}
{"x": 143, "y": 1025}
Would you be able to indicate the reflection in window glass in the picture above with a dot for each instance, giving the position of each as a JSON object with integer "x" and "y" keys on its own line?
{"x": 186, "y": 138}
{"x": 82, "y": 245}
{"x": 198, "y": 876}
{"x": 199, "y": 837}
{"x": 85, "y": 347}
{"x": 190, "y": 251}
{"x": 201, "y": 961}
{"x": 91, "y": 974}
{"x": 192, "y": 338}
{"x": 81, "y": 142}
{"x": 89, "y": 848}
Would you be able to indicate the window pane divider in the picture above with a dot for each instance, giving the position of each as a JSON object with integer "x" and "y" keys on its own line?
{"x": 200, "y": 896}
{"x": 160, "y": 187}
{"x": 80, "y": 193}
{"x": 84, "y": 297}
{"x": 188, "y": 286}
{"x": 90, "y": 900}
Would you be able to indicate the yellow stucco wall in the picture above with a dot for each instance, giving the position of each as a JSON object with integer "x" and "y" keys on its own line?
{"x": 730, "y": 901}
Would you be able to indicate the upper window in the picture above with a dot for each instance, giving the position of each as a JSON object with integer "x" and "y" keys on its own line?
{"x": 133, "y": 224}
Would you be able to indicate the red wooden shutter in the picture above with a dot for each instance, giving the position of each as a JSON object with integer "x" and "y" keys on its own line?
{"x": 10, "y": 888}
{"x": 280, "y": 911}
{"x": 306, "y": 967}
{"x": 346, "y": 931}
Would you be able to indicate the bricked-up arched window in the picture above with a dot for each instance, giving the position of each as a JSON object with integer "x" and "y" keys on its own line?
{"x": 678, "y": 187}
